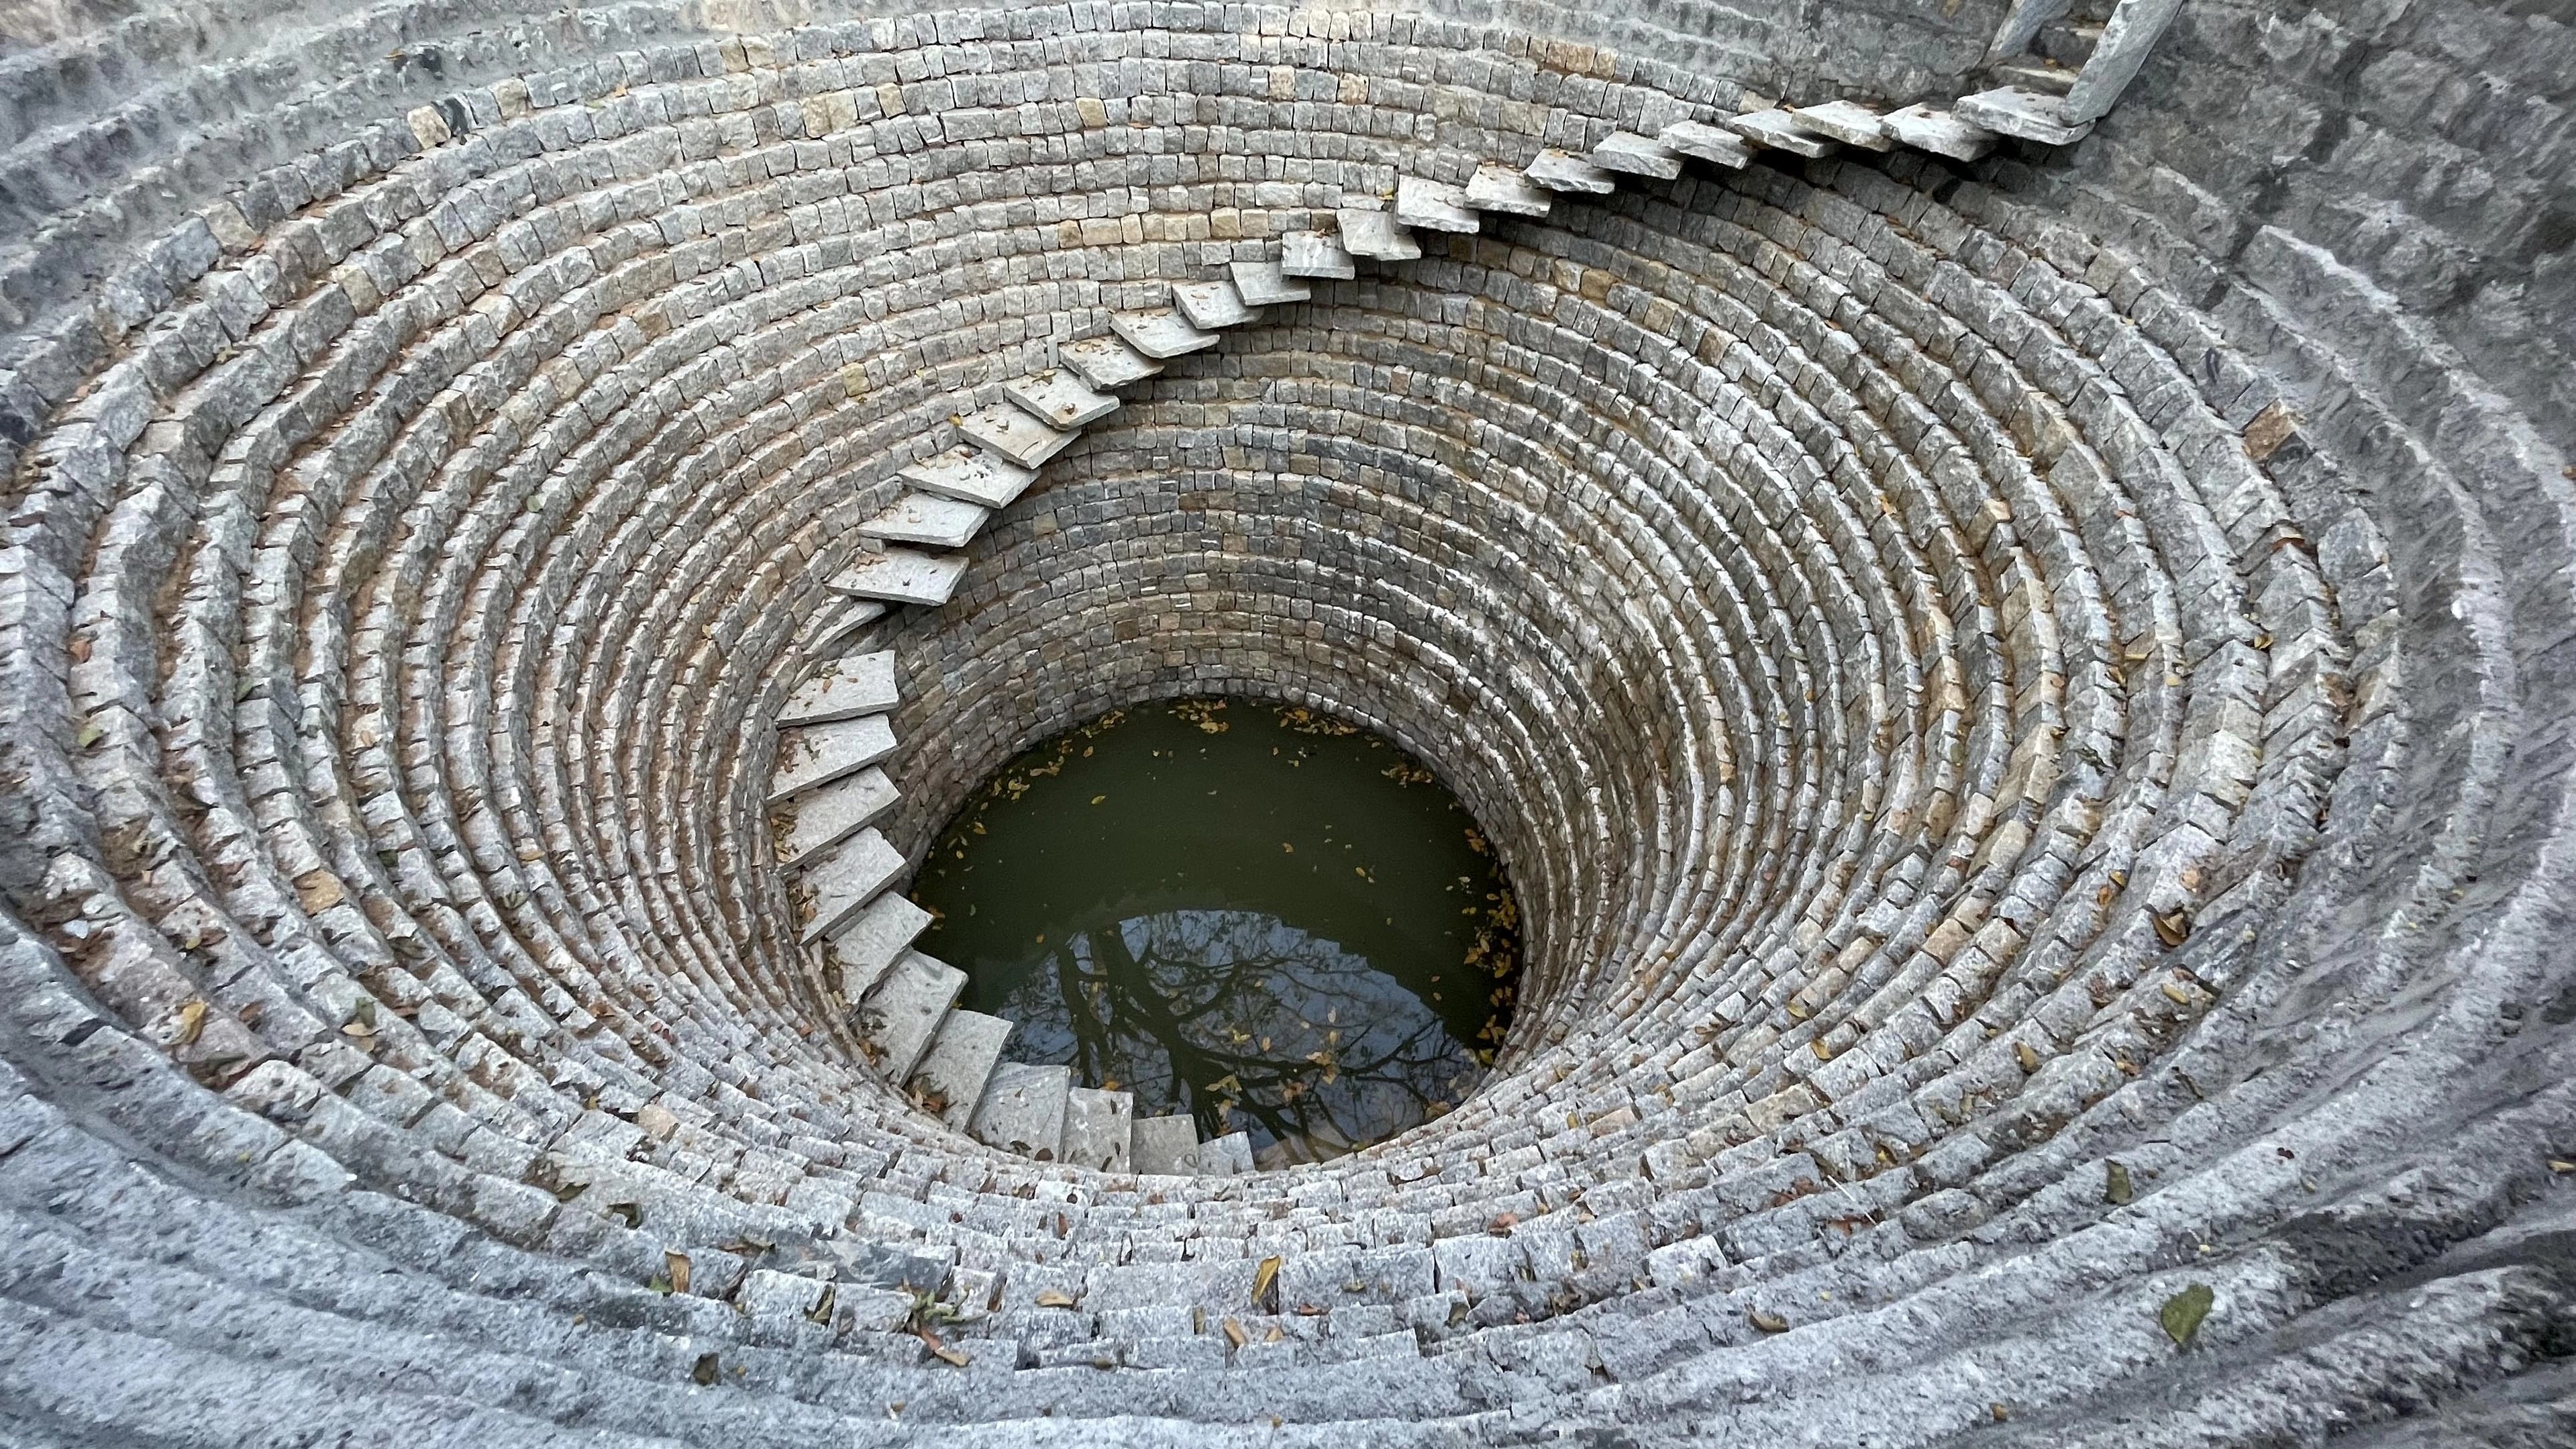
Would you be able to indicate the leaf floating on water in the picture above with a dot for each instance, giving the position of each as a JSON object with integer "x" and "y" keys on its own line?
{"x": 2183, "y": 1312}
{"x": 2115, "y": 1185}
{"x": 704, "y": 1371}
{"x": 1263, "y": 1277}
{"x": 1767, "y": 1322}
{"x": 1054, "y": 1298}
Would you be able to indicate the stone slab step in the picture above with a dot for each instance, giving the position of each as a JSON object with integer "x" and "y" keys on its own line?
{"x": 1022, "y": 1110}
{"x": 1226, "y": 1156}
{"x": 1097, "y": 1127}
{"x": 2029, "y": 115}
{"x": 1059, "y": 399}
{"x": 839, "y": 622}
{"x": 1014, "y": 435}
{"x": 899, "y": 1017}
{"x": 833, "y": 885}
{"x": 949, "y": 1080}
{"x": 1849, "y": 122}
{"x": 1938, "y": 132}
{"x": 1708, "y": 143}
{"x": 1375, "y": 234}
{"x": 1433, "y": 205}
{"x": 1265, "y": 284}
{"x": 1212, "y": 305}
{"x": 815, "y": 755}
{"x": 823, "y": 818}
{"x": 2113, "y": 57}
{"x": 927, "y": 519}
{"x": 1781, "y": 131}
{"x": 1313, "y": 254}
{"x": 1160, "y": 332}
{"x": 901, "y": 576}
{"x": 2032, "y": 73}
{"x": 843, "y": 689}
{"x": 970, "y": 475}
{"x": 1168, "y": 1145}
{"x": 1560, "y": 170}
{"x": 1637, "y": 155}
{"x": 1500, "y": 188}
{"x": 1106, "y": 362}
{"x": 858, "y": 955}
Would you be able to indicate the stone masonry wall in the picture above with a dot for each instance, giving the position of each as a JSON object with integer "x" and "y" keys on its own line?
{"x": 2026, "y": 703}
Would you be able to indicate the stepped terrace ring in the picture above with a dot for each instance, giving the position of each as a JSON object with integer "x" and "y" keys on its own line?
{"x": 2013, "y": 651}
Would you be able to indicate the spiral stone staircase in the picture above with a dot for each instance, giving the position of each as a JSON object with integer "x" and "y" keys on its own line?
{"x": 2017, "y": 652}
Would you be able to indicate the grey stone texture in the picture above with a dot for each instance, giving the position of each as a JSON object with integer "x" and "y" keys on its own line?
{"x": 2024, "y": 698}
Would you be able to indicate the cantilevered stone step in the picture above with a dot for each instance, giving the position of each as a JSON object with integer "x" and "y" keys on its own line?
{"x": 862, "y": 951}
{"x": 1708, "y": 143}
{"x": 1106, "y": 362}
{"x": 1374, "y": 234}
{"x": 838, "y": 881}
{"x": 1432, "y": 205}
{"x": 950, "y": 1078}
{"x": 901, "y": 576}
{"x": 1564, "y": 171}
{"x": 927, "y": 519}
{"x": 1780, "y": 131}
{"x": 970, "y": 475}
{"x": 1012, "y": 433}
{"x": 1849, "y": 122}
{"x": 1160, "y": 332}
{"x": 1059, "y": 399}
{"x": 1022, "y": 1110}
{"x": 843, "y": 689}
{"x": 1212, "y": 305}
{"x": 1226, "y": 1156}
{"x": 1938, "y": 132}
{"x": 1313, "y": 254}
{"x": 1165, "y": 1144}
{"x": 2033, "y": 73}
{"x": 1096, "y": 1127}
{"x": 899, "y": 1017}
{"x": 1500, "y": 188}
{"x": 1637, "y": 155}
{"x": 825, "y": 817}
{"x": 838, "y": 623}
{"x": 812, "y": 755}
{"x": 2026, "y": 114}
{"x": 1264, "y": 284}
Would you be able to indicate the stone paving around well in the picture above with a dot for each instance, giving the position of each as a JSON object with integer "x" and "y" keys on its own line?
{"x": 2016, "y": 650}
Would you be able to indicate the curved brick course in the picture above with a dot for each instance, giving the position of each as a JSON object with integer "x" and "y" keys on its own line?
{"x": 2024, "y": 701}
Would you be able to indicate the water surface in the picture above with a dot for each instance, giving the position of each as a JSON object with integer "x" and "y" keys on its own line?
{"x": 1260, "y": 916}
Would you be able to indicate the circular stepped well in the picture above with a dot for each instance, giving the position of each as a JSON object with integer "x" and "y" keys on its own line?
{"x": 2027, "y": 751}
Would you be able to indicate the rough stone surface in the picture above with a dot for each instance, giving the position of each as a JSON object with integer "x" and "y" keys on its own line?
{"x": 2024, "y": 698}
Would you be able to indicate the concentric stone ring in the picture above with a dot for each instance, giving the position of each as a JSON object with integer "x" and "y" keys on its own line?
{"x": 2015, "y": 650}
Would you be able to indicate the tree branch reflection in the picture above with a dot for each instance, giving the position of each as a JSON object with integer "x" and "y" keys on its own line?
{"x": 1245, "y": 1022}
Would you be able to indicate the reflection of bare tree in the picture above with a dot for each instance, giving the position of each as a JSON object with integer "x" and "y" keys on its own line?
{"x": 1233, "y": 1012}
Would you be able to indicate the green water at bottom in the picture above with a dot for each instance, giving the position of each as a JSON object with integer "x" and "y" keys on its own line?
{"x": 1256, "y": 915}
